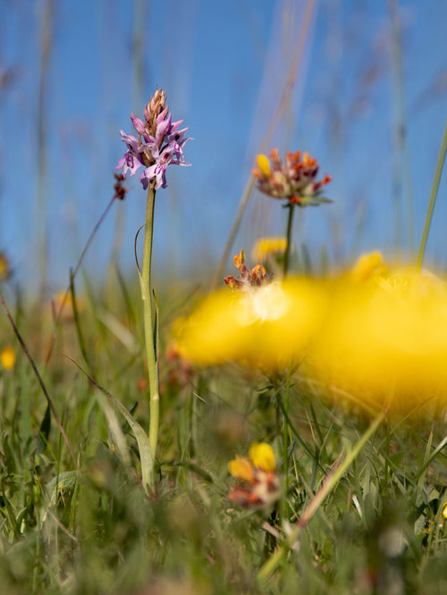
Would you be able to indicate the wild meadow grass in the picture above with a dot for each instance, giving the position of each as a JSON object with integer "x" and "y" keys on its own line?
{"x": 87, "y": 525}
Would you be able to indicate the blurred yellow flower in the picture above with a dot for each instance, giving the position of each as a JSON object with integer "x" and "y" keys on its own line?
{"x": 264, "y": 165}
{"x": 268, "y": 327}
{"x": 367, "y": 265}
{"x": 241, "y": 469}
{"x": 5, "y": 267}
{"x": 386, "y": 343}
{"x": 64, "y": 300}
{"x": 8, "y": 358}
{"x": 262, "y": 456}
{"x": 268, "y": 248}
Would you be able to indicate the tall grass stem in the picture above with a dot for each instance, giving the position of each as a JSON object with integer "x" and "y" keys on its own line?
{"x": 434, "y": 193}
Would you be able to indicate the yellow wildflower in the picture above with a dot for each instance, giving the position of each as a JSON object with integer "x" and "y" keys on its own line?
{"x": 8, "y": 358}
{"x": 269, "y": 327}
{"x": 5, "y": 267}
{"x": 387, "y": 343}
{"x": 262, "y": 456}
{"x": 263, "y": 163}
{"x": 64, "y": 300}
{"x": 241, "y": 469}
{"x": 366, "y": 266}
{"x": 268, "y": 247}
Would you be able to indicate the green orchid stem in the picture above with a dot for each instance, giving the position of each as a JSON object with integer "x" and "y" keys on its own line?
{"x": 291, "y": 208}
{"x": 434, "y": 193}
{"x": 331, "y": 481}
{"x": 149, "y": 324}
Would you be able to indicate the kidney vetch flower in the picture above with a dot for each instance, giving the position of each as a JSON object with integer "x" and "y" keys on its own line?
{"x": 294, "y": 180}
{"x": 258, "y": 482}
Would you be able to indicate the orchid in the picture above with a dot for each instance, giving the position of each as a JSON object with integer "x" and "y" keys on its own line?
{"x": 159, "y": 144}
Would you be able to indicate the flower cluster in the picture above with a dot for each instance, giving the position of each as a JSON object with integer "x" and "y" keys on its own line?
{"x": 258, "y": 485}
{"x": 294, "y": 180}
{"x": 159, "y": 144}
{"x": 249, "y": 279}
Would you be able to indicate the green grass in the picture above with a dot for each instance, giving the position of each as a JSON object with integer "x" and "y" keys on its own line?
{"x": 94, "y": 529}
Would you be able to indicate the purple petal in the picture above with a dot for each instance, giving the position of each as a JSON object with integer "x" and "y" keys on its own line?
{"x": 163, "y": 128}
{"x": 138, "y": 124}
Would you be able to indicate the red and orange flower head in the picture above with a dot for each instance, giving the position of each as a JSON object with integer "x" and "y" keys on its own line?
{"x": 294, "y": 180}
{"x": 249, "y": 279}
{"x": 258, "y": 485}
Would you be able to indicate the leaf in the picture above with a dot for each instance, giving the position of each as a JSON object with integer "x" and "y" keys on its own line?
{"x": 44, "y": 432}
{"x": 146, "y": 458}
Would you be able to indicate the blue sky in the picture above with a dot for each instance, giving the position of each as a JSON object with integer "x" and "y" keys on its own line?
{"x": 224, "y": 66}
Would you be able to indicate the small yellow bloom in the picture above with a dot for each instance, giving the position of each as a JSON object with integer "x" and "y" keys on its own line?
{"x": 268, "y": 247}
{"x": 264, "y": 165}
{"x": 5, "y": 267}
{"x": 8, "y": 358}
{"x": 366, "y": 266}
{"x": 241, "y": 469}
{"x": 262, "y": 456}
{"x": 62, "y": 305}
{"x": 444, "y": 512}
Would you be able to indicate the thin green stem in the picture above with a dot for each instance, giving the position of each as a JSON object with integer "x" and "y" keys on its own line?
{"x": 331, "y": 481}
{"x": 72, "y": 276}
{"x": 286, "y": 425}
{"x": 291, "y": 208}
{"x": 286, "y": 430}
{"x": 150, "y": 324}
{"x": 217, "y": 279}
{"x": 434, "y": 193}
